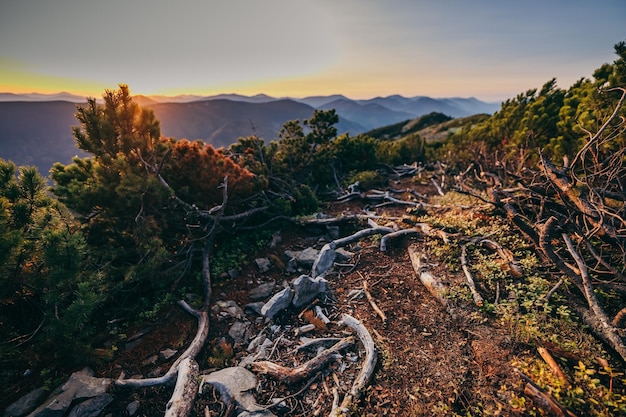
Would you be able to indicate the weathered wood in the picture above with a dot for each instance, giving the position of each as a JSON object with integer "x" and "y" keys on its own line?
{"x": 606, "y": 328}
{"x": 292, "y": 375}
{"x": 543, "y": 399}
{"x": 478, "y": 299}
{"x": 556, "y": 369}
{"x": 434, "y": 286}
{"x": 377, "y": 309}
{"x": 514, "y": 267}
{"x": 184, "y": 394}
{"x": 367, "y": 370}
{"x": 361, "y": 234}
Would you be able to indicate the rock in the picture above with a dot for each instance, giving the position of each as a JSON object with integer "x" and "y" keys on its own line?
{"x": 262, "y": 291}
{"x": 253, "y": 308}
{"x": 233, "y": 273}
{"x": 276, "y": 240}
{"x": 91, "y": 407}
{"x": 132, "y": 408}
{"x": 325, "y": 259}
{"x": 343, "y": 255}
{"x": 236, "y": 384}
{"x": 228, "y": 309}
{"x": 291, "y": 266}
{"x": 150, "y": 361}
{"x": 26, "y": 403}
{"x": 307, "y": 257}
{"x": 280, "y": 301}
{"x": 333, "y": 232}
{"x": 238, "y": 331}
{"x": 263, "y": 264}
{"x": 166, "y": 354}
{"x": 80, "y": 385}
{"x": 306, "y": 289}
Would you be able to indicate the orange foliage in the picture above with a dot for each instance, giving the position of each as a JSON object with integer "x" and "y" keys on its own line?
{"x": 196, "y": 170}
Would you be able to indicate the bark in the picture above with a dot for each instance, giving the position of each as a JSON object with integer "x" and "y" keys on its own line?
{"x": 367, "y": 370}
{"x": 606, "y": 328}
{"x": 182, "y": 399}
{"x": 478, "y": 299}
{"x": 434, "y": 286}
{"x": 293, "y": 375}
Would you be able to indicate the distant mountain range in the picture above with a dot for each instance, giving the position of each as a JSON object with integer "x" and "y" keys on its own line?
{"x": 35, "y": 129}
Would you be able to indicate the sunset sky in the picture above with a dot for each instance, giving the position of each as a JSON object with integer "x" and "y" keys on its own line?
{"x": 489, "y": 49}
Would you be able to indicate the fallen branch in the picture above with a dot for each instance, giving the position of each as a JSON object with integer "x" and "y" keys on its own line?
{"x": 434, "y": 286}
{"x": 556, "y": 369}
{"x": 514, "y": 267}
{"x": 292, "y": 375}
{"x": 185, "y": 390}
{"x": 378, "y": 311}
{"x": 367, "y": 370}
{"x": 606, "y": 328}
{"x": 478, "y": 299}
{"x": 543, "y": 399}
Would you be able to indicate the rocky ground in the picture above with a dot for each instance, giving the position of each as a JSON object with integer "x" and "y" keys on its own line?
{"x": 432, "y": 360}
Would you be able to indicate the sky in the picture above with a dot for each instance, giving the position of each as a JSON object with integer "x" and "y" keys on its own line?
{"x": 488, "y": 49}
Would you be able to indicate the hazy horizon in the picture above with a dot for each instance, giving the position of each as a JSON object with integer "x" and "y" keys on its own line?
{"x": 487, "y": 49}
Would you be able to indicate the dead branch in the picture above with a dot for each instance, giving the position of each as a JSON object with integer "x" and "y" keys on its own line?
{"x": 361, "y": 234}
{"x": 367, "y": 370}
{"x": 514, "y": 267}
{"x": 434, "y": 286}
{"x": 293, "y": 375}
{"x": 377, "y": 309}
{"x": 556, "y": 369}
{"x": 437, "y": 186}
{"x": 543, "y": 399}
{"x": 607, "y": 330}
{"x": 185, "y": 390}
{"x": 392, "y": 235}
{"x": 478, "y": 299}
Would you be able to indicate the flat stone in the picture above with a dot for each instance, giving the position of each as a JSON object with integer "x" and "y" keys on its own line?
{"x": 307, "y": 257}
{"x": 166, "y": 354}
{"x": 238, "y": 331}
{"x": 262, "y": 291}
{"x": 306, "y": 288}
{"x": 280, "y": 301}
{"x": 26, "y": 403}
{"x": 254, "y": 308}
{"x": 80, "y": 385}
{"x": 91, "y": 407}
{"x": 235, "y": 385}
{"x": 228, "y": 308}
{"x": 324, "y": 260}
{"x": 132, "y": 408}
{"x": 343, "y": 255}
{"x": 263, "y": 264}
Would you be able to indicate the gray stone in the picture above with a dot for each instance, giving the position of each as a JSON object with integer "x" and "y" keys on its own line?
{"x": 306, "y": 288}
{"x": 228, "y": 309}
{"x": 238, "y": 331}
{"x": 307, "y": 257}
{"x": 254, "y": 308}
{"x": 276, "y": 240}
{"x": 343, "y": 255}
{"x": 80, "y": 385}
{"x": 150, "y": 361}
{"x": 26, "y": 403}
{"x": 263, "y": 264}
{"x": 325, "y": 259}
{"x": 262, "y": 291}
{"x": 233, "y": 273}
{"x": 132, "y": 408}
{"x": 91, "y": 407}
{"x": 291, "y": 266}
{"x": 236, "y": 384}
{"x": 166, "y": 354}
{"x": 333, "y": 232}
{"x": 280, "y": 301}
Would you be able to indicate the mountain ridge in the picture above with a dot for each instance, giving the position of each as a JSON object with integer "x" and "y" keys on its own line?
{"x": 36, "y": 129}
